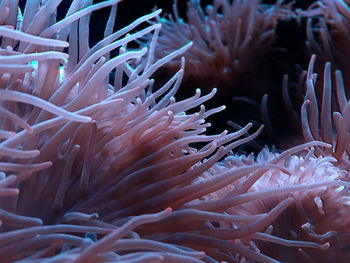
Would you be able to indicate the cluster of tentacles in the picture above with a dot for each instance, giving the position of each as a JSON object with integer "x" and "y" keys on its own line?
{"x": 100, "y": 169}
{"x": 230, "y": 40}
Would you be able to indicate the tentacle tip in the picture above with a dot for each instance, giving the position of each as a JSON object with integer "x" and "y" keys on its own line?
{"x": 190, "y": 44}
{"x": 95, "y": 216}
{"x": 201, "y": 254}
{"x": 65, "y": 44}
{"x": 325, "y": 246}
{"x": 168, "y": 210}
{"x": 30, "y": 130}
{"x": 39, "y": 222}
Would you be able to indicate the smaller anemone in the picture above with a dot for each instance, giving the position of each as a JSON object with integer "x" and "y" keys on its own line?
{"x": 229, "y": 39}
{"x": 329, "y": 36}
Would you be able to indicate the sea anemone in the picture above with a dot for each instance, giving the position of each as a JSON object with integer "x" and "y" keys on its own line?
{"x": 328, "y": 33}
{"x": 317, "y": 216}
{"x": 100, "y": 169}
{"x": 230, "y": 40}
